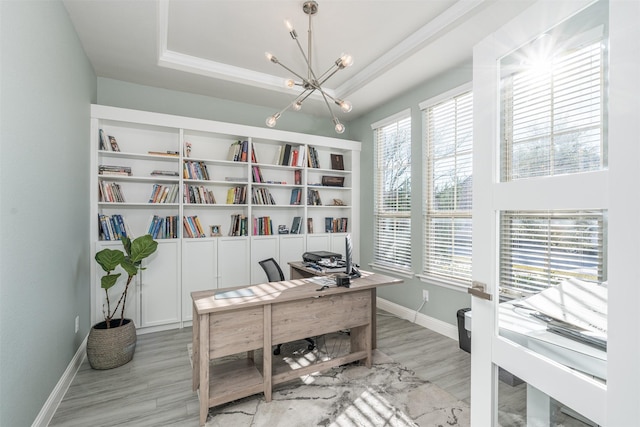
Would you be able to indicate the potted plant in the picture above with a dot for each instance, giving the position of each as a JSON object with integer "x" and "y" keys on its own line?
{"x": 112, "y": 342}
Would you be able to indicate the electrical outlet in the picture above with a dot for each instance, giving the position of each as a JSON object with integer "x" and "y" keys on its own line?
{"x": 77, "y": 324}
{"x": 425, "y": 295}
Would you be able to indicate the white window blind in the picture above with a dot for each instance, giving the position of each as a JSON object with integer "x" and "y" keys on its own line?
{"x": 539, "y": 249}
{"x": 392, "y": 206}
{"x": 553, "y": 116}
{"x": 449, "y": 182}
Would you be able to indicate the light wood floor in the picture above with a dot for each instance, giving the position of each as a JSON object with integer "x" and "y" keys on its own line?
{"x": 154, "y": 389}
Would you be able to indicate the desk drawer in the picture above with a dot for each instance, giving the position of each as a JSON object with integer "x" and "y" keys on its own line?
{"x": 320, "y": 315}
{"x": 235, "y": 331}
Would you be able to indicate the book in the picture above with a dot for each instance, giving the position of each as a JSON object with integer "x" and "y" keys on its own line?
{"x": 337, "y": 162}
{"x": 286, "y": 155}
{"x": 310, "y": 225}
{"x": 333, "y": 181}
{"x": 168, "y": 153}
{"x": 104, "y": 141}
{"x": 164, "y": 173}
{"x": 114, "y": 143}
{"x": 297, "y": 177}
{"x": 295, "y": 225}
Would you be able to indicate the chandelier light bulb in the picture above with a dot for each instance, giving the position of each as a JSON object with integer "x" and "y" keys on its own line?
{"x": 339, "y": 126}
{"x": 270, "y": 57}
{"x": 289, "y": 83}
{"x": 297, "y": 105}
{"x": 346, "y": 60}
{"x": 288, "y": 24}
{"x": 345, "y": 105}
{"x": 271, "y": 120}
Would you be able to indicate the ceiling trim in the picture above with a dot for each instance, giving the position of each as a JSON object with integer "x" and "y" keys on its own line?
{"x": 407, "y": 46}
{"x": 197, "y": 65}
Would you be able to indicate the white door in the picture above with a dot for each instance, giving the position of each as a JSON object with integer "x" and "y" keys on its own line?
{"x": 532, "y": 190}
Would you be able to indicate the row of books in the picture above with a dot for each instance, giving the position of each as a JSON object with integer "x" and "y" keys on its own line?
{"x": 163, "y": 227}
{"x": 289, "y": 155}
{"x": 198, "y": 194}
{"x": 296, "y": 196}
{"x": 192, "y": 226}
{"x": 335, "y": 225}
{"x": 237, "y": 195}
{"x": 107, "y": 142}
{"x": 195, "y": 170}
{"x": 112, "y": 227}
{"x": 262, "y": 226}
{"x": 164, "y": 193}
{"x": 257, "y": 175}
{"x": 262, "y": 196}
{"x": 114, "y": 170}
{"x": 238, "y": 225}
{"x": 238, "y": 151}
{"x": 110, "y": 192}
{"x": 313, "y": 197}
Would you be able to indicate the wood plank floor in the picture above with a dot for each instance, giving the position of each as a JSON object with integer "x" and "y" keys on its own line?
{"x": 154, "y": 389}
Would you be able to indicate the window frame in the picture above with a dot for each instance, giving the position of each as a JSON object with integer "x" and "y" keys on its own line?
{"x": 379, "y": 212}
{"x": 427, "y": 274}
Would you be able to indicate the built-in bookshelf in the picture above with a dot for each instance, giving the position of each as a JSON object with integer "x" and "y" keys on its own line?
{"x": 218, "y": 193}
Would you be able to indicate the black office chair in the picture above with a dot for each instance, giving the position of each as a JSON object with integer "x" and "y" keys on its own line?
{"x": 275, "y": 274}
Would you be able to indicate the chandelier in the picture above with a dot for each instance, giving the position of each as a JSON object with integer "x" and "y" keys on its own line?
{"x": 312, "y": 82}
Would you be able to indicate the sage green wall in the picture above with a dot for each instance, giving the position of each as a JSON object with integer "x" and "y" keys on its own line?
{"x": 117, "y": 93}
{"x": 47, "y": 86}
{"x": 443, "y": 302}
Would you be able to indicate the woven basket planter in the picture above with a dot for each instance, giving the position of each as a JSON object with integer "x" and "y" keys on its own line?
{"x": 112, "y": 347}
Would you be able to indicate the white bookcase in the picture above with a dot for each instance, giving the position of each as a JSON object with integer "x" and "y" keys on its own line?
{"x": 160, "y": 298}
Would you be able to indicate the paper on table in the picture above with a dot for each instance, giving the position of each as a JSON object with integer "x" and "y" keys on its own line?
{"x": 574, "y": 301}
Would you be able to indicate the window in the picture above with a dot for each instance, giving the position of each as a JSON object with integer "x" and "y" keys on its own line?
{"x": 553, "y": 123}
{"x": 552, "y": 115}
{"x": 448, "y": 145}
{"x": 541, "y": 249}
{"x": 392, "y": 205}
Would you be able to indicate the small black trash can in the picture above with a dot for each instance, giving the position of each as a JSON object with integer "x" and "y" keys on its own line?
{"x": 464, "y": 336}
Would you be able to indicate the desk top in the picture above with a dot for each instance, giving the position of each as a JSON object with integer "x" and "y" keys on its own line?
{"x": 276, "y": 292}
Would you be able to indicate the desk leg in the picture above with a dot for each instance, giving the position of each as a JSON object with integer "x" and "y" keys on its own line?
{"x": 195, "y": 350}
{"x": 374, "y": 320}
{"x": 267, "y": 352}
{"x": 204, "y": 367}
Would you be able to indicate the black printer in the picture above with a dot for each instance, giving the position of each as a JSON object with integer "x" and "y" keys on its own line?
{"x": 319, "y": 255}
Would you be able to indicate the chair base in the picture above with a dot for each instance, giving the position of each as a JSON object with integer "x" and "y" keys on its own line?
{"x": 311, "y": 346}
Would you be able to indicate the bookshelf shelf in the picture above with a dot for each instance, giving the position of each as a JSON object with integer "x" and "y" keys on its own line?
{"x": 223, "y": 161}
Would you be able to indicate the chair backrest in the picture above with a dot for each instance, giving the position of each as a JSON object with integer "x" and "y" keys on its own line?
{"x": 273, "y": 270}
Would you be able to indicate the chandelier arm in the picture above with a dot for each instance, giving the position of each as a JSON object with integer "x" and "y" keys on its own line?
{"x": 324, "y": 96}
{"x": 292, "y": 72}
{"x": 323, "y": 79}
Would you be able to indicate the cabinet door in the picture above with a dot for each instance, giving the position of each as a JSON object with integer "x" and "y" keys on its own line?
{"x": 318, "y": 242}
{"x": 262, "y": 247}
{"x": 338, "y": 244}
{"x": 159, "y": 288}
{"x": 233, "y": 262}
{"x": 199, "y": 270}
{"x": 291, "y": 249}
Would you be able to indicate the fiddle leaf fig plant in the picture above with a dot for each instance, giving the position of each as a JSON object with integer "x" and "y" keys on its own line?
{"x": 131, "y": 262}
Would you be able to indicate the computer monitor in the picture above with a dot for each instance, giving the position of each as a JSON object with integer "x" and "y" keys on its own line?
{"x": 351, "y": 268}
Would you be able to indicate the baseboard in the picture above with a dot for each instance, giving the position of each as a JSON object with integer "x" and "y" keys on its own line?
{"x": 443, "y": 328}
{"x": 51, "y": 405}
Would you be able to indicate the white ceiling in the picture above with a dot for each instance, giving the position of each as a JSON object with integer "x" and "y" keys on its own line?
{"x": 217, "y": 47}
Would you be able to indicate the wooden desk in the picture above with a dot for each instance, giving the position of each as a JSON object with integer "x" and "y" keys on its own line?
{"x": 298, "y": 270}
{"x": 276, "y": 313}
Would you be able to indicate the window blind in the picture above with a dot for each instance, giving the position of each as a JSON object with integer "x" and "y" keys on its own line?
{"x": 553, "y": 116}
{"x": 392, "y": 206}
{"x": 539, "y": 249}
{"x": 449, "y": 182}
